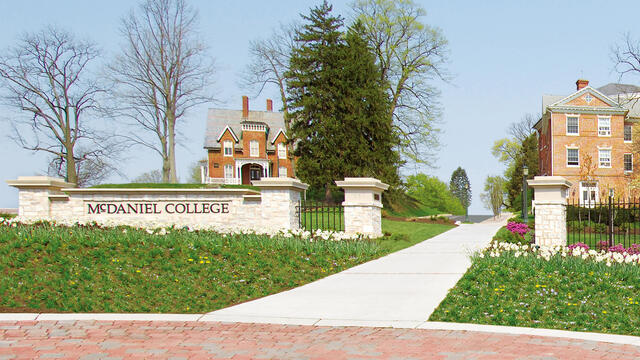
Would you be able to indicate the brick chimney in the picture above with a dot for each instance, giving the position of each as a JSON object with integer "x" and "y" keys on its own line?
{"x": 245, "y": 107}
{"x": 581, "y": 84}
{"x": 269, "y": 105}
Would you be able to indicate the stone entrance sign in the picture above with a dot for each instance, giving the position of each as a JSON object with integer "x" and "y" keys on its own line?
{"x": 273, "y": 208}
{"x": 46, "y": 198}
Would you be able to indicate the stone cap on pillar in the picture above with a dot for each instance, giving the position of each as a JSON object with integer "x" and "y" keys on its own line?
{"x": 40, "y": 182}
{"x": 280, "y": 183}
{"x": 550, "y": 188}
{"x": 361, "y": 191}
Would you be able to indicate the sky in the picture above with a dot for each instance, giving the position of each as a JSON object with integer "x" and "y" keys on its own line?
{"x": 503, "y": 56}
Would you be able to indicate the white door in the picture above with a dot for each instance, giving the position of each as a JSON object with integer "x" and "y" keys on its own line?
{"x": 589, "y": 193}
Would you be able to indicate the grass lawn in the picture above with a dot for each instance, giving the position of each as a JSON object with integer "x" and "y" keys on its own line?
{"x": 563, "y": 293}
{"x": 325, "y": 218}
{"x": 81, "y": 269}
{"x": 407, "y": 233}
{"x": 171, "y": 186}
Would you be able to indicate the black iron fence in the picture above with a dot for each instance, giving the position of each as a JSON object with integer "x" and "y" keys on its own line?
{"x": 313, "y": 215}
{"x": 602, "y": 224}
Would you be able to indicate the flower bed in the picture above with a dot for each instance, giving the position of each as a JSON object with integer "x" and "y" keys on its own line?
{"x": 559, "y": 287}
{"x": 162, "y": 229}
{"x": 49, "y": 267}
{"x": 607, "y": 255}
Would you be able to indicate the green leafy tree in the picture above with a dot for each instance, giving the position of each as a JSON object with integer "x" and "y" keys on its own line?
{"x": 520, "y": 149}
{"x": 411, "y": 54}
{"x": 433, "y": 193}
{"x": 528, "y": 155}
{"x": 493, "y": 195}
{"x": 338, "y": 105}
{"x": 460, "y": 186}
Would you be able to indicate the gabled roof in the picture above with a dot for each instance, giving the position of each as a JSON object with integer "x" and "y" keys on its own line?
{"x": 278, "y": 134}
{"x": 561, "y": 103}
{"x": 231, "y": 131}
{"x": 586, "y": 89}
{"x": 218, "y": 120}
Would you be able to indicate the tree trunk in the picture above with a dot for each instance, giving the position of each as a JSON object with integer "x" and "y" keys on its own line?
{"x": 327, "y": 194}
{"x": 173, "y": 177}
{"x": 165, "y": 160}
{"x": 72, "y": 175}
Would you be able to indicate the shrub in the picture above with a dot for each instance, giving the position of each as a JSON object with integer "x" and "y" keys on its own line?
{"x": 599, "y": 228}
{"x": 434, "y": 193}
{"x": 518, "y": 228}
{"x": 505, "y": 235}
{"x": 576, "y": 225}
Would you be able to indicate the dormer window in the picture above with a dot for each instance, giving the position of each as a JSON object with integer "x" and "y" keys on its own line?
{"x": 228, "y": 148}
{"x": 254, "y": 148}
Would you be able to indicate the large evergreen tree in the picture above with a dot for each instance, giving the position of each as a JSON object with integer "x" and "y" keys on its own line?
{"x": 460, "y": 186}
{"x": 338, "y": 105}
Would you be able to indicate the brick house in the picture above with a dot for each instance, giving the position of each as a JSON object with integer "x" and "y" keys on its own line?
{"x": 245, "y": 145}
{"x": 586, "y": 137}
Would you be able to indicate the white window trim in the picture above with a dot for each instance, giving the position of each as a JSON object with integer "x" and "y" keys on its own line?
{"x": 284, "y": 148}
{"x": 610, "y": 158}
{"x": 567, "y": 155}
{"x": 224, "y": 148}
{"x": 567, "y": 124}
{"x": 627, "y": 171}
{"x": 627, "y": 141}
{"x": 228, "y": 166}
{"x": 583, "y": 186}
{"x": 604, "y": 118}
{"x": 251, "y": 150}
{"x": 281, "y": 173}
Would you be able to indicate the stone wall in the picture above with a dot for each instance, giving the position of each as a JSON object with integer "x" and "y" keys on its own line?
{"x": 551, "y": 223}
{"x": 271, "y": 209}
{"x": 363, "y": 220}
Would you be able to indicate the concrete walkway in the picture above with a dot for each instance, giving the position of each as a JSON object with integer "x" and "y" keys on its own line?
{"x": 399, "y": 290}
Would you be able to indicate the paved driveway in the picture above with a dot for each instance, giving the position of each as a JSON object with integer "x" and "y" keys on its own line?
{"x": 95, "y": 340}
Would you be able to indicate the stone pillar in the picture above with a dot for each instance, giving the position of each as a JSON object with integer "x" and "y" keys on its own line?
{"x": 280, "y": 198}
{"x": 550, "y": 204}
{"x": 36, "y": 192}
{"x": 363, "y": 205}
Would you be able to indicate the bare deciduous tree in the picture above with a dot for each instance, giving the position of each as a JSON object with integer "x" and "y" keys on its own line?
{"x": 46, "y": 75}
{"x": 161, "y": 72}
{"x": 269, "y": 62}
{"x": 522, "y": 129}
{"x": 411, "y": 54}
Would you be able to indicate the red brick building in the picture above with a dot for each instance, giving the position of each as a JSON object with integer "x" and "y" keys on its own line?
{"x": 587, "y": 138}
{"x": 245, "y": 145}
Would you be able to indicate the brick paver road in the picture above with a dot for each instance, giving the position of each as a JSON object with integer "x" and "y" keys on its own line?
{"x": 214, "y": 340}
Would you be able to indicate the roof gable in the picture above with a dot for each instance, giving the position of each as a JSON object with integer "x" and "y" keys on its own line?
{"x": 586, "y": 96}
{"x": 278, "y": 134}
{"x": 227, "y": 128}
